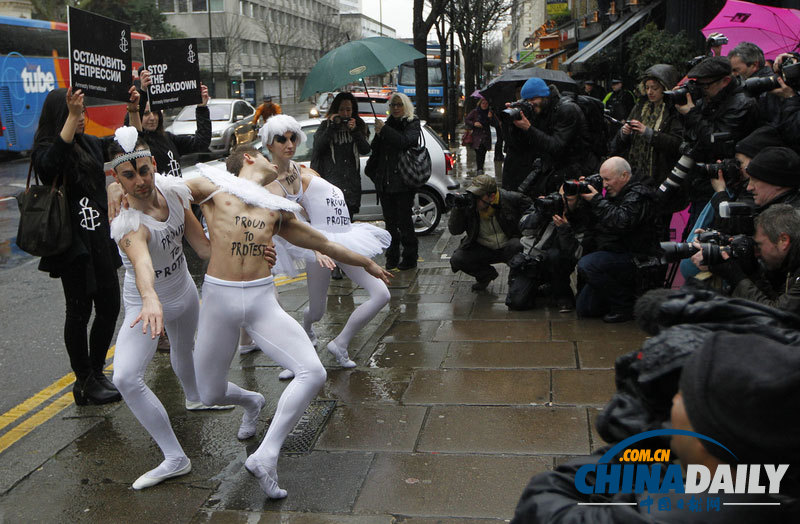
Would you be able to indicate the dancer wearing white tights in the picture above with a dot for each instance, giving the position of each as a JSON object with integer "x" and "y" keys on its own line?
{"x": 157, "y": 291}
{"x": 327, "y": 211}
{"x": 238, "y": 292}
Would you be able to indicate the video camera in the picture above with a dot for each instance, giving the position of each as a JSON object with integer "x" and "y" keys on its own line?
{"x": 713, "y": 40}
{"x": 789, "y": 70}
{"x": 690, "y": 87}
{"x": 581, "y": 187}
{"x": 552, "y": 204}
{"x": 712, "y": 245}
{"x": 515, "y": 110}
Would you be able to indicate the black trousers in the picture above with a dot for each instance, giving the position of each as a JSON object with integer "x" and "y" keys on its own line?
{"x": 480, "y": 158}
{"x": 476, "y": 260}
{"x": 87, "y": 355}
{"x": 399, "y": 223}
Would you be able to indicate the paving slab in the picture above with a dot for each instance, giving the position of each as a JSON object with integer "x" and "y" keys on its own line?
{"x": 406, "y": 355}
{"x": 435, "y": 311}
{"x": 496, "y": 355}
{"x": 490, "y": 310}
{"x": 431, "y": 485}
{"x": 584, "y": 386}
{"x": 603, "y": 353}
{"x": 286, "y": 517}
{"x": 492, "y": 330}
{"x": 593, "y": 329}
{"x": 528, "y": 430}
{"x": 366, "y": 385}
{"x": 411, "y": 331}
{"x": 372, "y": 428}
{"x": 456, "y": 386}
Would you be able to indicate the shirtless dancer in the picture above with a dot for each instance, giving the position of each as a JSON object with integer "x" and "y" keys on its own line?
{"x": 242, "y": 218}
{"x": 327, "y": 211}
{"x": 158, "y": 291}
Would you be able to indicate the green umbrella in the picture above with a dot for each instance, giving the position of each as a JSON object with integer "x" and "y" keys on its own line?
{"x": 356, "y": 60}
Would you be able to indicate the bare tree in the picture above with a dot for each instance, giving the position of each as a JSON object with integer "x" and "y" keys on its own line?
{"x": 327, "y": 33}
{"x": 230, "y": 33}
{"x": 283, "y": 41}
{"x": 472, "y": 21}
{"x": 421, "y": 27}
{"x": 443, "y": 32}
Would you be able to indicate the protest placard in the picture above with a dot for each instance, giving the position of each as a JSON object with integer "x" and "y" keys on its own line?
{"x": 99, "y": 55}
{"x": 174, "y": 72}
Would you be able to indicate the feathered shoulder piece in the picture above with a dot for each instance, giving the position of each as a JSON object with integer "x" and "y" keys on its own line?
{"x": 128, "y": 220}
{"x": 176, "y": 186}
{"x": 248, "y": 192}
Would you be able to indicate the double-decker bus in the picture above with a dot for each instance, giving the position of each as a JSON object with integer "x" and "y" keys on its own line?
{"x": 34, "y": 60}
{"x": 407, "y": 80}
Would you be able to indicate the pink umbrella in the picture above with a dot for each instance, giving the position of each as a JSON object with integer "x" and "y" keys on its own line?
{"x": 476, "y": 94}
{"x": 774, "y": 29}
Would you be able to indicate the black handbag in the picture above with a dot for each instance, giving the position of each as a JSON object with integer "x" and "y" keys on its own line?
{"x": 44, "y": 225}
{"x": 414, "y": 164}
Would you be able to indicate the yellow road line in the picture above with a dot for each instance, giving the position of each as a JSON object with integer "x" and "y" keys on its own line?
{"x": 34, "y": 421}
{"x": 25, "y": 407}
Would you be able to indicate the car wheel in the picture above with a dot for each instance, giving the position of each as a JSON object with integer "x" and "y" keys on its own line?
{"x": 426, "y": 211}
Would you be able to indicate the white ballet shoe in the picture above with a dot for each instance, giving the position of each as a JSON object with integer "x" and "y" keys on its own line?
{"x": 153, "y": 477}
{"x": 267, "y": 478}
{"x": 192, "y": 405}
{"x": 286, "y": 374}
{"x": 249, "y": 421}
{"x": 341, "y": 355}
{"x": 244, "y": 349}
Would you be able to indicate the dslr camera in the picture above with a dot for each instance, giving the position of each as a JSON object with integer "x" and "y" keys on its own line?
{"x": 789, "y": 70}
{"x": 721, "y": 145}
{"x": 581, "y": 187}
{"x": 678, "y": 95}
{"x": 516, "y": 109}
{"x": 729, "y": 167}
{"x": 459, "y": 200}
{"x": 712, "y": 245}
{"x": 552, "y": 204}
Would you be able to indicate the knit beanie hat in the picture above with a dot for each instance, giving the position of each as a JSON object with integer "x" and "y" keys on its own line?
{"x": 779, "y": 166}
{"x": 758, "y": 140}
{"x": 742, "y": 391}
{"x": 534, "y": 87}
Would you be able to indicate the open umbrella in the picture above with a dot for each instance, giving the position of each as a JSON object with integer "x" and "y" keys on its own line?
{"x": 502, "y": 89}
{"x": 355, "y": 61}
{"x": 774, "y": 29}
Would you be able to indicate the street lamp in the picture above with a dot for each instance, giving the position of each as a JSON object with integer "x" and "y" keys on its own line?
{"x": 210, "y": 49}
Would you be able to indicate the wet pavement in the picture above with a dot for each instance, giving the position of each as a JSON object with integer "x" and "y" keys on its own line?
{"x": 454, "y": 404}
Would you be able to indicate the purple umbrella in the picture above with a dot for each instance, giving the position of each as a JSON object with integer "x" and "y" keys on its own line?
{"x": 476, "y": 94}
{"x": 774, "y": 29}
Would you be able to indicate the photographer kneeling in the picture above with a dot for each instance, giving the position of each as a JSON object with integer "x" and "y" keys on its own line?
{"x": 777, "y": 282}
{"x": 625, "y": 226}
{"x": 552, "y": 231}
{"x": 490, "y": 219}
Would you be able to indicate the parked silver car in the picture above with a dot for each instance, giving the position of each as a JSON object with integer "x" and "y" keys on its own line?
{"x": 227, "y": 114}
{"x": 429, "y": 202}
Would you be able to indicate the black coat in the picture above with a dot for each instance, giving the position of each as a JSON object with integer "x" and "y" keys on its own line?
{"x": 338, "y": 161}
{"x": 626, "y": 223}
{"x": 396, "y": 136}
{"x": 619, "y": 103}
{"x": 163, "y": 144}
{"x": 789, "y": 122}
{"x": 88, "y": 205}
{"x": 511, "y": 207}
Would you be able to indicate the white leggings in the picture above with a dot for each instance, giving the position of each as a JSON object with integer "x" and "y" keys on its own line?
{"x": 135, "y": 350}
{"x": 318, "y": 278}
{"x": 228, "y": 306}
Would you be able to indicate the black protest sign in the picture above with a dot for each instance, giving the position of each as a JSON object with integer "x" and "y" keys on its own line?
{"x": 174, "y": 72}
{"x": 99, "y": 55}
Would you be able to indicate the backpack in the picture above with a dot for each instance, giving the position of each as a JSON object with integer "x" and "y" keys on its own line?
{"x": 594, "y": 112}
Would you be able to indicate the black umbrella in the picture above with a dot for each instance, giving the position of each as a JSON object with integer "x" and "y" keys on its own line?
{"x": 503, "y": 88}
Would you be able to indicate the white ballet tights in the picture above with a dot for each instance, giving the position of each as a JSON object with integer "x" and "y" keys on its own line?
{"x": 135, "y": 350}
{"x": 318, "y": 279}
{"x": 226, "y": 307}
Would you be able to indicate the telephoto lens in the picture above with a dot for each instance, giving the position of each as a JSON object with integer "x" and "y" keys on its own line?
{"x": 676, "y": 178}
{"x": 674, "y": 251}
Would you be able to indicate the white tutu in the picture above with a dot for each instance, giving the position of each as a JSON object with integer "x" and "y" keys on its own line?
{"x": 291, "y": 260}
{"x": 364, "y": 239}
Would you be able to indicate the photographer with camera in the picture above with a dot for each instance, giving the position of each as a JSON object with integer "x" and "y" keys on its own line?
{"x": 490, "y": 219}
{"x": 552, "y": 232}
{"x": 777, "y": 282}
{"x": 747, "y": 60}
{"x": 787, "y": 67}
{"x": 624, "y": 226}
{"x": 713, "y": 105}
{"x": 559, "y": 136}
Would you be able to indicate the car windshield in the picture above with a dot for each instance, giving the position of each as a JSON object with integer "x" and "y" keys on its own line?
{"x": 218, "y": 112}
{"x": 379, "y": 103}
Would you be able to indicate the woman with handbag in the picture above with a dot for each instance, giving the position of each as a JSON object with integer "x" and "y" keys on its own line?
{"x": 398, "y": 134}
{"x": 88, "y": 267}
{"x": 479, "y": 134}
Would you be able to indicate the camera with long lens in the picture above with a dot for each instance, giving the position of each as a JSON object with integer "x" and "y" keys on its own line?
{"x": 720, "y": 145}
{"x": 552, "y": 204}
{"x": 458, "y": 200}
{"x": 789, "y": 70}
{"x": 713, "y": 244}
{"x": 678, "y": 95}
{"x": 729, "y": 167}
{"x": 516, "y": 109}
{"x": 581, "y": 187}
{"x": 340, "y": 120}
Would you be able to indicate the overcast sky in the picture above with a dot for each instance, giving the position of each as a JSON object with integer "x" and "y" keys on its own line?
{"x": 396, "y": 13}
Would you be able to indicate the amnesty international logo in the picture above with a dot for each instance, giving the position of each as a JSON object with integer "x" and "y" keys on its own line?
{"x": 191, "y": 56}
{"x": 123, "y": 42}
